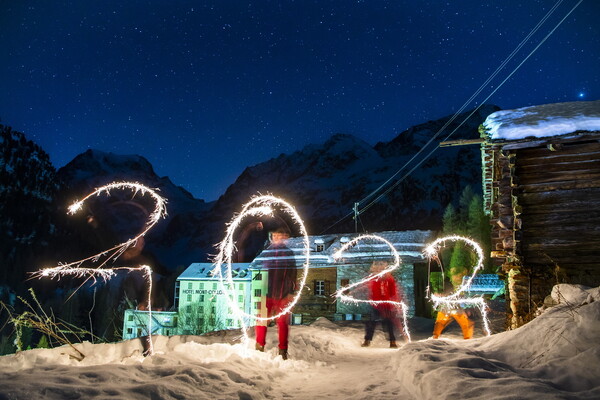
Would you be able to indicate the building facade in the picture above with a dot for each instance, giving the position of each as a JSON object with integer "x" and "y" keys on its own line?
{"x": 541, "y": 184}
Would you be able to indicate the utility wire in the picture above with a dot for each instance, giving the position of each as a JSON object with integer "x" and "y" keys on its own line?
{"x": 502, "y": 65}
{"x": 466, "y": 103}
{"x": 474, "y": 111}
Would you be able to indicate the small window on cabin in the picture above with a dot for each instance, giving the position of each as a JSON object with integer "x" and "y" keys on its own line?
{"x": 320, "y": 247}
{"x": 320, "y": 288}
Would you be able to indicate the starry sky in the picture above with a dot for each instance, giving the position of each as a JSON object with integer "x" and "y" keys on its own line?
{"x": 203, "y": 89}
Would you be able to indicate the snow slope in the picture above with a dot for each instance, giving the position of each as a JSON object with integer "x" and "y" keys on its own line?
{"x": 556, "y": 356}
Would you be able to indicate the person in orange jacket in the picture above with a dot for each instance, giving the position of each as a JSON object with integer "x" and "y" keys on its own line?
{"x": 446, "y": 313}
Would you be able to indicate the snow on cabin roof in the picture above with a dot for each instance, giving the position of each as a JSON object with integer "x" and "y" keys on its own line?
{"x": 202, "y": 271}
{"x": 544, "y": 120}
{"x": 409, "y": 245}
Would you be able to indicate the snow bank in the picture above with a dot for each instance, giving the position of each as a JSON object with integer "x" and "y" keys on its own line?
{"x": 544, "y": 121}
{"x": 556, "y": 356}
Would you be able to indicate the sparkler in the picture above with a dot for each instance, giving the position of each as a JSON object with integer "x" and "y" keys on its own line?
{"x": 457, "y": 298}
{"x": 257, "y": 206}
{"x": 340, "y": 294}
{"x": 78, "y": 268}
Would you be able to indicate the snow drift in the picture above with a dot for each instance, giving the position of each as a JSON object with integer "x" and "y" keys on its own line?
{"x": 556, "y": 356}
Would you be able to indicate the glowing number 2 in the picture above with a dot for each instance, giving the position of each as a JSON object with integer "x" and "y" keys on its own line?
{"x": 78, "y": 268}
{"x": 457, "y": 298}
{"x": 340, "y": 294}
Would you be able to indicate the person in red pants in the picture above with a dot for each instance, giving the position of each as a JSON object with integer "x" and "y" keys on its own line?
{"x": 282, "y": 275}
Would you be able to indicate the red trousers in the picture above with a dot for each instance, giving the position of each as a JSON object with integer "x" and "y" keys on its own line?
{"x": 274, "y": 307}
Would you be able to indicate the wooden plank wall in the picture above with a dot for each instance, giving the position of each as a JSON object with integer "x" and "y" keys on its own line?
{"x": 558, "y": 197}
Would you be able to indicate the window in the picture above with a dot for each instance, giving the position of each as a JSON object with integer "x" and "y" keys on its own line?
{"x": 344, "y": 282}
{"x": 320, "y": 247}
{"x": 240, "y": 298}
{"x": 130, "y": 317}
{"x": 188, "y": 308}
{"x": 201, "y": 285}
{"x": 257, "y": 293}
{"x": 201, "y": 297}
{"x": 257, "y": 305}
{"x": 229, "y": 322}
{"x": 215, "y": 286}
{"x": 129, "y": 331}
{"x": 241, "y": 286}
{"x": 189, "y": 297}
{"x": 200, "y": 310}
{"x": 168, "y": 332}
{"x": 258, "y": 277}
{"x": 320, "y": 288}
{"x": 190, "y": 285}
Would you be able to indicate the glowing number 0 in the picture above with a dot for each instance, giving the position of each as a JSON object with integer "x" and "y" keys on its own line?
{"x": 77, "y": 268}
{"x": 343, "y": 297}
{"x": 258, "y": 206}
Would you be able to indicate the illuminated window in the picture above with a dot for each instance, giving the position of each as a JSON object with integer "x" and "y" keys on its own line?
{"x": 320, "y": 288}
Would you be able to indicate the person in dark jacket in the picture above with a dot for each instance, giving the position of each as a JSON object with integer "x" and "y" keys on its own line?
{"x": 280, "y": 268}
{"x": 384, "y": 289}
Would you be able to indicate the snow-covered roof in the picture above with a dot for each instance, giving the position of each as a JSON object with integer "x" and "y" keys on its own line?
{"x": 544, "y": 120}
{"x": 409, "y": 245}
{"x": 203, "y": 271}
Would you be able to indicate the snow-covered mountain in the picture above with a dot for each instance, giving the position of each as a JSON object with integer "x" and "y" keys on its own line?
{"x": 169, "y": 241}
{"x": 27, "y": 189}
{"x": 322, "y": 181}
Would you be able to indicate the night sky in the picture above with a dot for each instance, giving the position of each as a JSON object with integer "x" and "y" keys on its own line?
{"x": 204, "y": 89}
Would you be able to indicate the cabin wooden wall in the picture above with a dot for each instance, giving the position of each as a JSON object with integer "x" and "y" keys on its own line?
{"x": 545, "y": 208}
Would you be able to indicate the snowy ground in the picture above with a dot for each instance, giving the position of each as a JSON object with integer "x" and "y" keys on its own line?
{"x": 556, "y": 356}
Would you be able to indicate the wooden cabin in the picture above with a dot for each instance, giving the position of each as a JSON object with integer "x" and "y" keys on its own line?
{"x": 541, "y": 184}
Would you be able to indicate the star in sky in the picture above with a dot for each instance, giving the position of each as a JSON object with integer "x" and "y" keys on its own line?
{"x": 205, "y": 89}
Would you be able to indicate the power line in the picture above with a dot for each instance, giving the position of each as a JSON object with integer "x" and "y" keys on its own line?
{"x": 357, "y": 212}
{"x": 474, "y": 111}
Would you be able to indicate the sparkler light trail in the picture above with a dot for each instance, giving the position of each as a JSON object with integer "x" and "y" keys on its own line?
{"x": 79, "y": 269}
{"x": 340, "y": 294}
{"x": 257, "y": 206}
{"x": 458, "y": 297}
